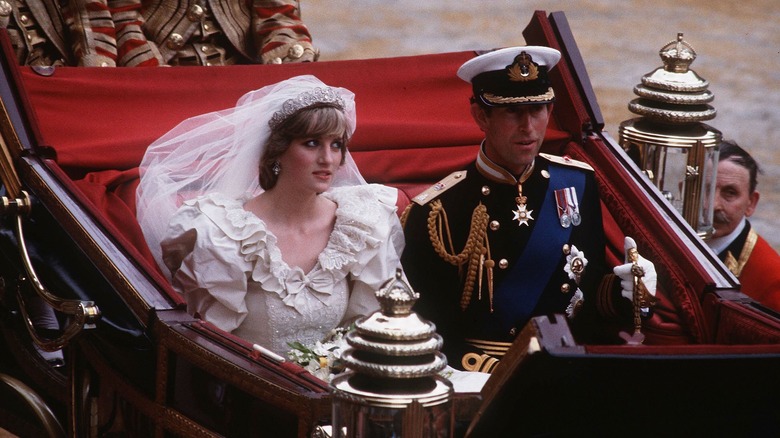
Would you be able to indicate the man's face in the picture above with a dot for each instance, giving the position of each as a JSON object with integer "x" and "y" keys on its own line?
{"x": 513, "y": 135}
{"x": 733, "y": 199}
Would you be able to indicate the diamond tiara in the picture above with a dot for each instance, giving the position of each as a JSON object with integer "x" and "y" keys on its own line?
{"x": 303, "y": 100}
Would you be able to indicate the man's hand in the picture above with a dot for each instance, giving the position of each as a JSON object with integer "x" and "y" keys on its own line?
{"x": 636, "y": 265}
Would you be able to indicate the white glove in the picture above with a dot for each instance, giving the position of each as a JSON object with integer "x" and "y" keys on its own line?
{"x": 627, "y": 277}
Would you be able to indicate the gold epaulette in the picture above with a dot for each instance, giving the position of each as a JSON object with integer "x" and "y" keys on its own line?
{"x": 567, "y": 161}
{"x": 440, "y": 187}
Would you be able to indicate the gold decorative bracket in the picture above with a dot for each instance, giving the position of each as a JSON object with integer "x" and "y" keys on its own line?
{"x": 83, "y": 314}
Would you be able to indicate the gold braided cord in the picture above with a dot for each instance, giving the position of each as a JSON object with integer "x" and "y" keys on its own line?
{"x": 405, "y": 214}
{"x": 437, "y": 219}
{"x": 473, "y": 250}
{"x": 475, "y": 260}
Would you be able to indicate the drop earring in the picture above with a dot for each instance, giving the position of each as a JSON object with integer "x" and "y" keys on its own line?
{"x": 276, "y": 168}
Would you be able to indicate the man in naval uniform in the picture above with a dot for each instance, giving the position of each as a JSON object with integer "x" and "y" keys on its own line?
{"x": 747, "y": 255}
{"x": 516, "y": 234}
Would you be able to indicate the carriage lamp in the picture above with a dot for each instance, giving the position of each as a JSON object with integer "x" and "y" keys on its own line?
{"x": 392, "y": 387}
{"x": 669, "y": 141}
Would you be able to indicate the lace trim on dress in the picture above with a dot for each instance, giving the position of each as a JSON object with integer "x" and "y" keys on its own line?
{"x": 357, "y": 217}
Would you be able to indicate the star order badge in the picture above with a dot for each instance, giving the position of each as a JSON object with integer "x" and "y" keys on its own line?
{"x": 522, "y": 215}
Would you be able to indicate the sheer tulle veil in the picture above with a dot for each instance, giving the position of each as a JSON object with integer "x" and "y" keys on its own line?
{"x": 220, "y": 152}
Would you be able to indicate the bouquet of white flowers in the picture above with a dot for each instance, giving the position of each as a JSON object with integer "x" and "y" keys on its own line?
{"x": 323, "y": 359}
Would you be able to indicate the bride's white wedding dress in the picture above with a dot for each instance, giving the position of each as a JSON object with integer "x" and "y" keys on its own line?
{"x": 227, "y": 265}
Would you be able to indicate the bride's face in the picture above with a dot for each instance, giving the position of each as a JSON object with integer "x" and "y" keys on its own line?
{"x": 311, "y": 163}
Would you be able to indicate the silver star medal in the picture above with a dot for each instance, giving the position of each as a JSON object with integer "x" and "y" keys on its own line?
{"x": 522, "y": 214}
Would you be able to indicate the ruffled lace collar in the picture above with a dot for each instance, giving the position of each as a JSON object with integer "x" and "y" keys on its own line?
{"x": 356, "y": 217}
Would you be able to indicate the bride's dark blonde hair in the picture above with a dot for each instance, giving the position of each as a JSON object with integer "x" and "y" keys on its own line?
{"x": 319, "y": 120}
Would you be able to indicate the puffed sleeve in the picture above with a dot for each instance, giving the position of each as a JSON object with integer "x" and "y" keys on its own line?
{"x": 206, "y": 268}
{"x": 378, "y": 263}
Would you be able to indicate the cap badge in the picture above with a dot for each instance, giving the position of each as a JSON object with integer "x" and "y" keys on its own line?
{"x": 523, "y": 68}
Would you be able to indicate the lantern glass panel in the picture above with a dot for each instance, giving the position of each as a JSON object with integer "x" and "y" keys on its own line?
{"x": 669, "y": 165}
{"x": 709, "y": 174}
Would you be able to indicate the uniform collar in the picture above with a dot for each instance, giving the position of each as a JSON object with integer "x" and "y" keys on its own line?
{"x": 492, "y": 171}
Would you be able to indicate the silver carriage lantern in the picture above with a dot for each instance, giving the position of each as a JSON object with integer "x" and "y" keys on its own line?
{"x": 392, "y": 387}
{"x": 669, "y": 142}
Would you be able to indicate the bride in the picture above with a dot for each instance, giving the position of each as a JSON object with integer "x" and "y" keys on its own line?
{"x": 262, "y": 220}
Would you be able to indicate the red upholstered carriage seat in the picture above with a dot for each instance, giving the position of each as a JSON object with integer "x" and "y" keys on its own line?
{"x": 414, "y": 125}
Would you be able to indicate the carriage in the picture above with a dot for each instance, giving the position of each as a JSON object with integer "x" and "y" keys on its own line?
{"x": 137, "y": 364}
